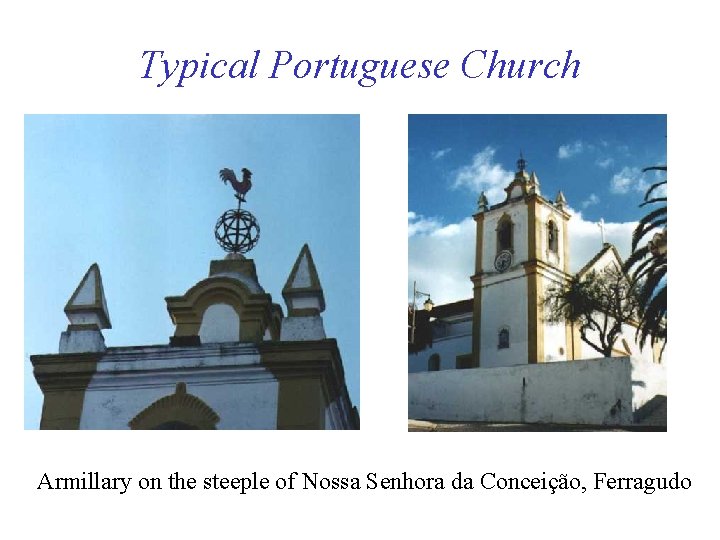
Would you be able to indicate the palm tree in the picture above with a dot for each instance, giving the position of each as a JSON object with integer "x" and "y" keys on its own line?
{"x": 648, "y": 265}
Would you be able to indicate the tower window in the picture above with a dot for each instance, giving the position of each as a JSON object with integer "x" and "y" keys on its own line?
{"x": 434, "y": 362}
{"x": 552, "y": 236}
{"x": 504, "y": 338}
{"x": 505, "y": 234}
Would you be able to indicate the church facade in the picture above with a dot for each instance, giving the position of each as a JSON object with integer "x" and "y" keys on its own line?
{"x": 235, "y": 360}
{"x": 522, "y": 250}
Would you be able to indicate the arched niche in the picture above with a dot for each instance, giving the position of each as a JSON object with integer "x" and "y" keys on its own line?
{"x": 552, "y": 236}
{"x": 220, "y": 324}
{"x": 254, "y": 310}
{"x": 176, "y": 411}
{"x": 504, "y": 231}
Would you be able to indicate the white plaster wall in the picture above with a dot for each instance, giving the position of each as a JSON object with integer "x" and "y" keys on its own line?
{"x": 504, "y": 304}
{"x": 302, "y": 328}
{"x": 543, "y": 215}
{"x": 554, "y": 335}
{"x": 459, "y": 328}
{"x": 233, "y": 383}
{"x": 220, "y": 324}
{"x": 304, "y": 302}
{"x": 649, "y": 380}
{"x": 448, "y": 348}
{"x": 628, "y": 334}
{"x": 607, "y": 259}
{"x": 86, "y": 317}
{"x": 242, "y": 406}
{"x": 73, "y": 341}
{"x": 555, "y": 340}
{"x": 603, "y": 391}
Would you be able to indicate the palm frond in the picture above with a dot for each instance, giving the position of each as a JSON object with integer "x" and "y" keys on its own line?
{"x": 653, "y": 187}
{"x": 649, "y": 268}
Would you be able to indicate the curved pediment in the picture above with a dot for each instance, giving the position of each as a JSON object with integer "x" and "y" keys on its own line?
{"x": 176, "y": 411}
{"x": 216, "y": 298}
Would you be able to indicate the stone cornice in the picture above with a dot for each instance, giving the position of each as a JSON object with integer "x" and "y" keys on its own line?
{"x": 64, "y": 371}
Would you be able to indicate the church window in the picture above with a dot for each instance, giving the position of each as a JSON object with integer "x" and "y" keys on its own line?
{"x": 504, "y": 338}
{"x": 505, "y": 234}
{"x": 552, "y": 236}
{"x": 434, "y": 362}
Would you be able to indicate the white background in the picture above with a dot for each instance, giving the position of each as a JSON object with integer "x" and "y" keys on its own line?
{"x": 71, "y": 57}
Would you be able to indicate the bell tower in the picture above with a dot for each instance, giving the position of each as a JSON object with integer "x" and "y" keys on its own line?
{"x": 521, "y": 249}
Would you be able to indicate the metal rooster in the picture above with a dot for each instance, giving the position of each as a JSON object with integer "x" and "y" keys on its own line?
{"x": 241, "y": 188}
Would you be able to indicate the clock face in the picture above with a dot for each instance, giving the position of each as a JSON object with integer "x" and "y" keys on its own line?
{"x": 503, "y": 261}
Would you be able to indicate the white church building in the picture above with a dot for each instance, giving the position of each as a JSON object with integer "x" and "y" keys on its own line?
{"x": 522, "y": 250}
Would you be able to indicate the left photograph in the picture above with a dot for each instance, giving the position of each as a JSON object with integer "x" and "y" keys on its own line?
{"x": 192, "y": 272}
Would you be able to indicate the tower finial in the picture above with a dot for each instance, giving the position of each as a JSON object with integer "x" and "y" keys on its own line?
{"x": 482, "y": 202}
{"x": 237, "y": 231}
{"x": 521, "y": 163}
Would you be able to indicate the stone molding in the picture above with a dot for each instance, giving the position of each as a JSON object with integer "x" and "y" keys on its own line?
{"x": 179, "y": 407}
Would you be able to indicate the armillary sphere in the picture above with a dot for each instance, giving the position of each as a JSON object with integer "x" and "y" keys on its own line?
{"x": 237, "y": 231}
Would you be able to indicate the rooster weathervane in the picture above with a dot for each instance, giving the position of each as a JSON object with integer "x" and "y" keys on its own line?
{"x": 241, "y": 188}
{"x": 237, "y": 231}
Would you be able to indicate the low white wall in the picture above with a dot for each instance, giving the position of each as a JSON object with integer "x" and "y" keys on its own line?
{"x": 603, "y": 391}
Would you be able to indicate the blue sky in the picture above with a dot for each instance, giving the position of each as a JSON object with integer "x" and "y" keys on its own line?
{"x": 140, "y": 196}
{"x": 596, "y": 160}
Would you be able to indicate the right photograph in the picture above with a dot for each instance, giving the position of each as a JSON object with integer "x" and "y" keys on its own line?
{"x": 537, "y": 272}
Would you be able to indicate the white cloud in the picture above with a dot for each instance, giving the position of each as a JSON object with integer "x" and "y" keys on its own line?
{"x": 419, "y": 224}
{"x": 439, "y": 154}
{"x": 591, "y": 200}
{"x": 604, "y": 163}
{"x": 569, "y": 150}
{"x": 628, "y": 179}
{"x": 483, "y": 174}
{"x": 441, "y": 258}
